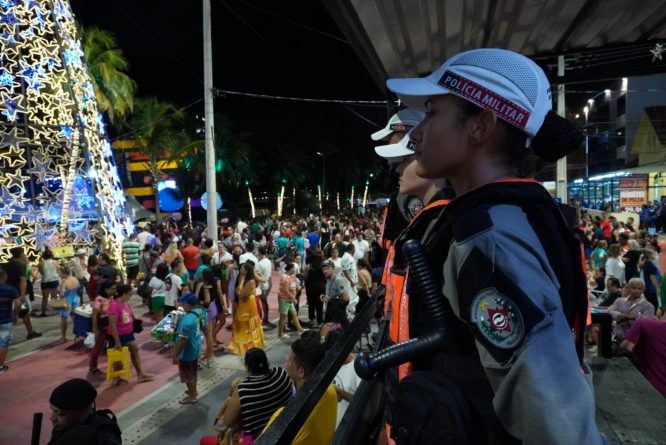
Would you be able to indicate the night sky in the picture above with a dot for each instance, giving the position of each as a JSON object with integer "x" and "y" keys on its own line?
{"x": 163, "y": 43}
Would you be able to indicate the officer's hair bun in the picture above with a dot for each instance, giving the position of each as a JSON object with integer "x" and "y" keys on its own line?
{"x": 556, "y": 138}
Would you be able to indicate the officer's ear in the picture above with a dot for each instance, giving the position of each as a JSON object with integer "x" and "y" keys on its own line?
{"x": 483, "y": 128}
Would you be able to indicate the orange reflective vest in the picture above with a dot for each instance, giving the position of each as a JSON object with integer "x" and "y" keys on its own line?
{"x": 396, "y": 302}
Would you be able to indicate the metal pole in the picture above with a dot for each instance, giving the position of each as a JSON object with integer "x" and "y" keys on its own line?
{"x": 324, "y": 175}
{"x": 561, "y": 168}
{"x": 211, "y": 187}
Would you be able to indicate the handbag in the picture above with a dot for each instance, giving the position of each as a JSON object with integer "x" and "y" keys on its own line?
{"x": 137, "y": 325}
{"x": 60, "y": 303}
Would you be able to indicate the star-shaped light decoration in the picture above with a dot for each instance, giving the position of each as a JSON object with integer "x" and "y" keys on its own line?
{"x": 656, "y": 52}
{"x": 15, "y": 179}
{"x": 13, "y": 158}
{"x": 81, "y": 233}
{"x": 11, "y": 107}
{"x": 40, "y": 168}
{"x": 6, "y": 79}
{"x": 11, "y": 139}
{"x": 42, "y": 234}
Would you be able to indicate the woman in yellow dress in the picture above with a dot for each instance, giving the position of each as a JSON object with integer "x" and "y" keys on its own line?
{"x": 246, "y": 328}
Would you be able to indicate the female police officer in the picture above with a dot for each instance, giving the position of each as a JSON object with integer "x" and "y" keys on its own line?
{"x": 510, "y": 269}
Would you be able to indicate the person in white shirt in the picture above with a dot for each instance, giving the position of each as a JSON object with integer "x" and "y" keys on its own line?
{"x": 265, "y": 267}
{"x": 346, "y": 381}
{"x": 145, "y": 237}
{"x": 240, "y": 226}
{"x": 348, "y": 266}
{"x": 172, "y": 284}
{"x": 350, "y": 276}
{"x": 361, "y": 247}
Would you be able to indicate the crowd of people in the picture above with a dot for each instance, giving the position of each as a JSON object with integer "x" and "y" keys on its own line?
{"x": 506, "y": 260}
{"x": 627, "y": 264}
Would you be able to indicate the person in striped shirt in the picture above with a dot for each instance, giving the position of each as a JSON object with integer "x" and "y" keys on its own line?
{"x": 131, "y": 249}
{"x": 258, "y": 396}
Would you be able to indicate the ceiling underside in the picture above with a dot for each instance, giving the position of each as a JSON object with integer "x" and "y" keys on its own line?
{"x": 398, "y": 38}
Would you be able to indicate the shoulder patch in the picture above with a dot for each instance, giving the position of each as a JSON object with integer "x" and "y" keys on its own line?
{"x": 469, "y": 224}
{"x": 497, "y": 319}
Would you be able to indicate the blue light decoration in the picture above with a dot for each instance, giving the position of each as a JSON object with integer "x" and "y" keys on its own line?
{"x": 6, "y": 79}
{"x": 66, "y": 131}
{"x": 218, "y": 201}
{"x": 6, "y": 4}
{"x": 8, "y": 18}
{"x": 31, "y": 4}
{"x": 58, "y": 177}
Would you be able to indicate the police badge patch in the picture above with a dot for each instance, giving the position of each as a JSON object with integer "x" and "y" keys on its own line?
{"x": 497, "y": 318}
{"x": 414, "y": 206}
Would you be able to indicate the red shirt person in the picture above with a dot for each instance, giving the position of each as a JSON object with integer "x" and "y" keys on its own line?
{"x": 190, "y": 256}
{"x": 647, "y": 338}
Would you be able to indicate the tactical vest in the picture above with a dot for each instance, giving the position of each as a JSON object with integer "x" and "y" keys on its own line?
{"x": 463, "y": 367}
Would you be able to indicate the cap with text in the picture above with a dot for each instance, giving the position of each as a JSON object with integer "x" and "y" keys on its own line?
{"x": 403, "y": 120}
{"x": 511, "y": 85}
{"x": 401, "y": 149}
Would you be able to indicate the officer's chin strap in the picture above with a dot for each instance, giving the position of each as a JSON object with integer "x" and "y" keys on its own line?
{"x": 367, "y": 366}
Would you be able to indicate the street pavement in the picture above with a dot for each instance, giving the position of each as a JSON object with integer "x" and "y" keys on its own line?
{"x": 148, "y": 413}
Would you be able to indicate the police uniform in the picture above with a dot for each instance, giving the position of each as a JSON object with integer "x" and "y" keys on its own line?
{"x": 512, "y": 279}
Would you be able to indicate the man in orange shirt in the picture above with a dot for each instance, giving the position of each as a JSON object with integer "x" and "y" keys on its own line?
{"x": 190, "y": 254}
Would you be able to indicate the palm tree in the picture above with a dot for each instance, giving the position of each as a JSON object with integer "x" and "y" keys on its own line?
{"x": 108, "y": 67}
{"x": 234, "y": 163}
{"x": 158, "y": 131}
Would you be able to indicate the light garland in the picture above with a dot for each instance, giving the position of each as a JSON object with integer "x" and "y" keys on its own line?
{"x": 52, "y": 137}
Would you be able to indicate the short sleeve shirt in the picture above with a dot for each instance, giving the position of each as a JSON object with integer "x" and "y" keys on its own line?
{"x": 188, "y": 327}
{"x": 335, "y": 287}
{"x": 158, "y": 286}
{"x": 124, "y": 322}
{"x": 293, "y": 285}
{"x": 7, "y": 296}
{"x": 172, "y": 294}
{"x": 101, "y": 304}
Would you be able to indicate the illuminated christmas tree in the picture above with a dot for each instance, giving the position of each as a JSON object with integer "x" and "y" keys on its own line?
{"x": 57, "y": 173}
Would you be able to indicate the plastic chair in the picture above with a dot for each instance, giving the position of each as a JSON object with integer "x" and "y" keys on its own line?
{"x": 114, "y": 356}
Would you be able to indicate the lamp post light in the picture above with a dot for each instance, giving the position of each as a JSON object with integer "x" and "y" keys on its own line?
{"x": 586, "y": 111}
{"x": 365, "y": 194}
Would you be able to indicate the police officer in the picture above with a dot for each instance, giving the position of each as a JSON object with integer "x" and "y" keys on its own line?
{"x": 508, "y": 263}
{"x": 402, "y": 207}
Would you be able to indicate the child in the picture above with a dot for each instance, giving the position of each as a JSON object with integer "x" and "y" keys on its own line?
{"x": 188, "y": 346}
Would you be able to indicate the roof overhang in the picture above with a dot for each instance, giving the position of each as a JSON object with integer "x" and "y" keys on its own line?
{"x": 401, "y": 38}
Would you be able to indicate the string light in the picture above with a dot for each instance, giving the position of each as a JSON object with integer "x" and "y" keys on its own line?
{"x": 52, "y": 137}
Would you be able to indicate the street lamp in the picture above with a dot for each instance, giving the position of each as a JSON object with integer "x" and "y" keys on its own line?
{"x": 323, "y": 179}
{"x": 586, "y": 111}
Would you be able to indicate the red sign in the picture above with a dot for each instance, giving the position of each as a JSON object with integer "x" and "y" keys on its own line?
{"x": 633, "y": 183}
{"x": 631, "y": 200}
